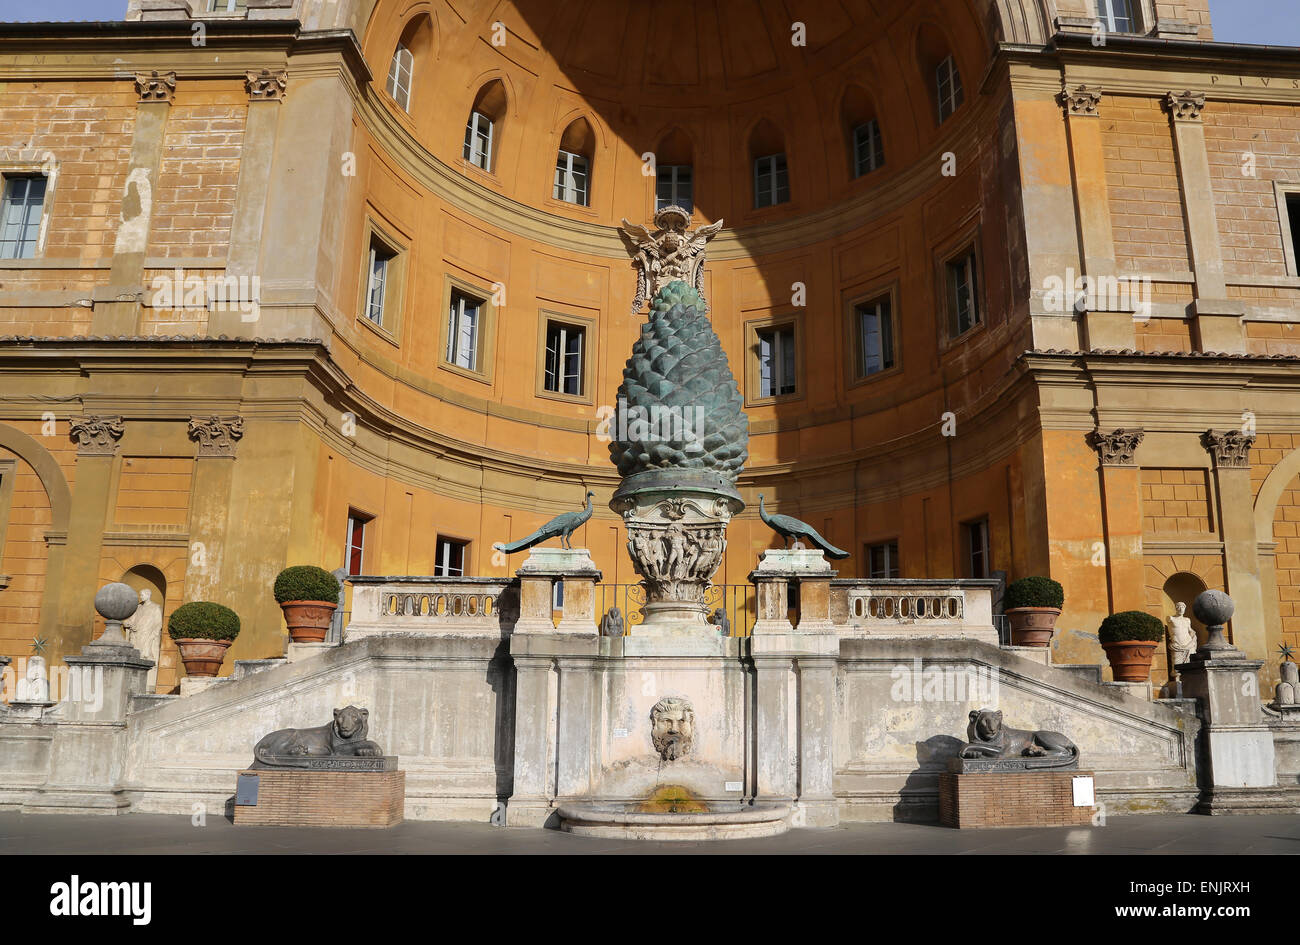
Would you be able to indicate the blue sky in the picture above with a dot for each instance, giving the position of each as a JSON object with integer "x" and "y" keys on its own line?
{"x": 1235, "y": 21}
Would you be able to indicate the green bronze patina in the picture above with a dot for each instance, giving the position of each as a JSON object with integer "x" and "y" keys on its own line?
{"x": 684, "y": 415}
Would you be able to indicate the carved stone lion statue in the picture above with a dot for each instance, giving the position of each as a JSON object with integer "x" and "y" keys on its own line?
{"x": 989, "y": 738}
{"x": 672, "y": 727}
{"x": 290, "y": 747}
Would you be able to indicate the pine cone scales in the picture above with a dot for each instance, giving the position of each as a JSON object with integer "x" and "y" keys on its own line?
{"x": 678, "y": 363}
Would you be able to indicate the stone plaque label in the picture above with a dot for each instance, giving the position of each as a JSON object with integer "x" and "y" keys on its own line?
{"x": 734, "y": 786}
{"x": 246, "y": 790}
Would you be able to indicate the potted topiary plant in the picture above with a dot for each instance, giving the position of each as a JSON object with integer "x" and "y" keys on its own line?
{"x": 1129, "y": 638}
{"x": 203, "y": 631}
{"x": 308, "y": 595}
{"x": 1032, "y": 605}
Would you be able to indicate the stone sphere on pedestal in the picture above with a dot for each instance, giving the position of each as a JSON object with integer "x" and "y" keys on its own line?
{"x": 116, "y": 601}
{"x": 1213, "y": 608}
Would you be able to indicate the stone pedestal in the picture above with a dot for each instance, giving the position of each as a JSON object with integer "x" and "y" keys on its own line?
{"x": 1239, "y": 745}
{"x": 1012, "y": 799}
{"x": 87, "y": 759}
{"x": 546, "y": 657}
{"x": 677, "y": 532}
{"x": 800, "y": 660}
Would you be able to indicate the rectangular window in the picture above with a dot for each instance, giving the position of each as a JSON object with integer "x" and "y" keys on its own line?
{"x": 399, "y": 76}
{"x": 564, "y": 353}
{"x": 478, "y": 140}
{"x": 21, "y": 209}
{"x": 381, "y": 258}
{"x": 1293, "y": 218}
{"x": 356, "y": 548}
{"x": 776, "y": 361}
{"x": 571, "y": 178}
{"x": 963, "y": 295}
{"x": 977, "y": 548}
{"x": 875, "y": 337}
{"x": 868, "y": 148}
{"x": 449, "y": 560}
{"x": 882, "y": 560}
{"x": 226, "y": 6}
{"x": 673, "y": 187}
{"x": 463, "y": 330}
{"x": 1117, "y": 15}
{"x": 771, "y": 181}
{"x": 948, "y": 81}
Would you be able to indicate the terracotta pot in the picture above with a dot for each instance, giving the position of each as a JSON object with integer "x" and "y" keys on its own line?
{"x": 1032, "y": 626}
{"x": 1130, "y": 660}
{"x": 202, "y": 657}
{"x": 308, "y": 620}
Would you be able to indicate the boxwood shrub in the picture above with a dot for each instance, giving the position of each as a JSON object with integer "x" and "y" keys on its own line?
{"x": 1034, "y": 592}
{"x": 1131, "y": 625}
{"x": 203, "y": 620}
{"x": 306, "y": 582}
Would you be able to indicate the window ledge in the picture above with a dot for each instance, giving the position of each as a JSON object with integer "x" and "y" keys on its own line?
{"x": 479, "y": 376}
{"x": 381, "y": 331}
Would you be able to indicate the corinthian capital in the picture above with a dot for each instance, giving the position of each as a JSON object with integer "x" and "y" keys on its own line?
{"x": 1230, "y": 449}
{"x": 96, "y": 436}
{"x": 1117, "y": 447}
{"x": 1081, "y": 100}
{"x": 216, "y": 436}
{"x": 1185, "y": 106}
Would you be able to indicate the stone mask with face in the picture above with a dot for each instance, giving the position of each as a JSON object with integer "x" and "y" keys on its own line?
{"x": 672, "y": 725}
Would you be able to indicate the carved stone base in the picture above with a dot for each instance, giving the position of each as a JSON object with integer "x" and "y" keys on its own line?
{"x": 676, "y": 538}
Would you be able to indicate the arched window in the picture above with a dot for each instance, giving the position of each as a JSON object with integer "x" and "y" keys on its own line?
{"x": 399, "y": 76}
{"x": 573, "y": 164}
{"x": 771, "y": 171}
{"x": 942, "y": 75}
{"x": 483, "y": 129}
{"x": 674, "y": 172}
{"x": 414, "y": 49}
{"x": 866, "y": 145}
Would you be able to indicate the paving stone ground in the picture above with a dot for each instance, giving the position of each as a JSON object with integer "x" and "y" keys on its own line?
{"x": 161, "y": 833}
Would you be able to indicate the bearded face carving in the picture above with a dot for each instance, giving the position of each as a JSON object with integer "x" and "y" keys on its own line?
{"x": 672, "y": 727}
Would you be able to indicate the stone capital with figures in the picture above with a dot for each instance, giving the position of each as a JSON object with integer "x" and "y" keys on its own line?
{"x": 96, "y": 436}
{"x": 1116, "y": 448}
{"x": 268, "y": 85}
{"x": 1185, "y": 106}
{"x": 156, "y": 86}
{"x": 1230, "y": 449}
{"x": 1082, "y": 100}
{"x": 216, "y": 436}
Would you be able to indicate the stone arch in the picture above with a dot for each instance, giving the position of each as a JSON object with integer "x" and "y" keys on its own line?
{"x": 1270, "y": 493}
{"x": 47, "y": 470}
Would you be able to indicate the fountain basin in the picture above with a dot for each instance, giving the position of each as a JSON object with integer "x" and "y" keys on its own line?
{"x": 721, "y": 821}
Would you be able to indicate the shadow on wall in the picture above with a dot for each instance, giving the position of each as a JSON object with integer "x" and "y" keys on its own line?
{"x": 919, "y": 797}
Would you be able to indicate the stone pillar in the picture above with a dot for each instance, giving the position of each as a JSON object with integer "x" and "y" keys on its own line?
{"x": 266, "y": 92}
{"x": 553, "y": 680}
{"x": 795, "y": 672}
{"x": 217, "y": 439}
{"x": 1121, "y": 500}
{"x": 1101, "y": 329}
{"x": 1230, "y": 451}
{"x": 97, "y": 441}
{"x": 1238, "y": 743}
{"x": 117, "y": 305}
{"x": 88, "y": 750}
{"x": 1217, "y": 321}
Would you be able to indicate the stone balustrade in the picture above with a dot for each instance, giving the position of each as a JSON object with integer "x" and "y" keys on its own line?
{"x": 384, "y": 605}
{"x": 910, "y": 607}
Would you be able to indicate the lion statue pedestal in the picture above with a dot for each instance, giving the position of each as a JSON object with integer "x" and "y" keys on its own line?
{"x": 1010, "y": 777}
{"x": 328, "y": 776}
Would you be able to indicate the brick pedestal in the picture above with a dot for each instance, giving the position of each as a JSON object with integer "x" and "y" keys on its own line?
{"x": 1011, "y": 799}
{"x": 325, "y": 799}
